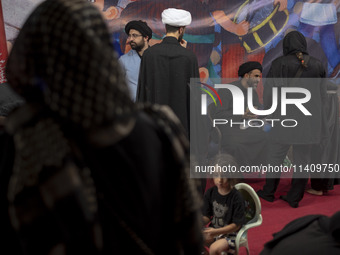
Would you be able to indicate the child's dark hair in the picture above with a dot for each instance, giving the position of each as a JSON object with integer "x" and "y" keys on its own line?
{"x": 299, "y": 55}
{"x": 227, "y": 160}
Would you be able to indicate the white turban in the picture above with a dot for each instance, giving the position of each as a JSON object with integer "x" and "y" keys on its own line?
{"x": 176, "y": 17}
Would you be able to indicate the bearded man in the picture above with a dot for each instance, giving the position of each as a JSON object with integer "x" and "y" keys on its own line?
{"x": 167, "y": 67}
{"x": 139, "y": 34}
{"x": 246, "y": 142}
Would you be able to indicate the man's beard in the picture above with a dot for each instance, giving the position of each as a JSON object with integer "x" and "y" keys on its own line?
{"x": 252, "y": 83}
{"x": 137, "y": 47}
{"x": 180, "y": 37}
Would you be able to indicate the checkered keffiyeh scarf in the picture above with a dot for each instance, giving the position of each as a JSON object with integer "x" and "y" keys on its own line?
{"x": 63, "y": 61}
{"x": 63, "y": 64}
{"x": 64, "y": 54}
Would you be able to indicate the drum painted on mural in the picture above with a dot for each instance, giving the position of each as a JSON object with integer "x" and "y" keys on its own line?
{"x": 265, "y": 22}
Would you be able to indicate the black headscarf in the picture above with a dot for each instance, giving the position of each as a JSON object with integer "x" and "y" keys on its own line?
{"x": 294, "y": 42}
{"x": 63, "y": 64}
{"x": 64, "y": 59}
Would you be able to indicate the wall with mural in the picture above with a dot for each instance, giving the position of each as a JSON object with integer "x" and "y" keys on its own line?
{"x": 224, "y": 33}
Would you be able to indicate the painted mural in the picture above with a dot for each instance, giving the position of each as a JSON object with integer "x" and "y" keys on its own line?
{"x": 224, "y": 33}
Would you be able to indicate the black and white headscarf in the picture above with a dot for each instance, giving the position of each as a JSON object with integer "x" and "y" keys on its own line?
{"x": 63, "y": 64}
{"x": 64, "y": 54}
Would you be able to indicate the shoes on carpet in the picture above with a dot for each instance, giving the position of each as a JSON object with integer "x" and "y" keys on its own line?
{"x": 315, "y": 192}
{"x": 262, "y": 194}
{"x": 292, "y": 204}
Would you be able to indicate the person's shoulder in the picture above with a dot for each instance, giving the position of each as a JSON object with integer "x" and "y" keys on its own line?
{"x": 159, "y": 46}
{"x": 314, "y": 60}
{"x": 236, "y": 193}
{"x": 153, "y": 50}
{"x": 316, "y": 65}
{"x": 129, "y": 59}
{"x": 236, "y": 83}
{"x": 123, "y": 58}
{"x": 189, "y": 54}
{"x": 129, "y": 54}
{"x": 279, "y": 60}
{"x": 278, "y": 63}
{"x": 186, "y": 51}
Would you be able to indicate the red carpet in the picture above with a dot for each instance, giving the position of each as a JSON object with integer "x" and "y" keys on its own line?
{"x": 277, "y": 214}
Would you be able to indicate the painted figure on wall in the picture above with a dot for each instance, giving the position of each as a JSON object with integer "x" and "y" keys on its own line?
{"x": 224, "y": 34}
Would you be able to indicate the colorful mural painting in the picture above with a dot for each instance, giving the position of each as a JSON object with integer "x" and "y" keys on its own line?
{"x": 224, "y": 34}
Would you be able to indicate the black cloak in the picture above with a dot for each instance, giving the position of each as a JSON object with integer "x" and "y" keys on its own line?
{"x": 164, "y": 77}
{"x": 310, "y": 129}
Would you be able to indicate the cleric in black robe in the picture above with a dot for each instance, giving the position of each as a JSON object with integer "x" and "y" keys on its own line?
{"x": 247, "y": 145}
{"x": 166, "y": 68}
{"x": 310, "y": 129}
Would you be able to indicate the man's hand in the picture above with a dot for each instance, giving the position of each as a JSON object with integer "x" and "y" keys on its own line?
{"x": 241, "y": 28}
{"x": 283, "y": 4}
{"x": 184, "y": 43}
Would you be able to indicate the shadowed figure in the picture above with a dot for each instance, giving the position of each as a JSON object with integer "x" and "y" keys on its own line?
{"x": 93, "y": 172}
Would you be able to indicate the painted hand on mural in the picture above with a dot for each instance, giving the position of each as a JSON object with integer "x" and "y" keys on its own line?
{"x": 336, "y": 3}
{"x": 226, "y": 22}
{"x": 282, "y": 3}
{"x": 110, "y": 13}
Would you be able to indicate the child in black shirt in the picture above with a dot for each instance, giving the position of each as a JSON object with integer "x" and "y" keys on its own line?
{"x": 224, "y": 209}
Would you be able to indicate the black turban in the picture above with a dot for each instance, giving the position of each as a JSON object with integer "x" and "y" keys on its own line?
{"x": 140, "y": 26}
{"x": 249, "y": 66}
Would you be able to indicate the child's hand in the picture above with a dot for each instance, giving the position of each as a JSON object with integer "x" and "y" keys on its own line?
{"x": 208, "y": 234}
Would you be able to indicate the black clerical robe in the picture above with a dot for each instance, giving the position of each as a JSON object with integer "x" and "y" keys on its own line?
{"x": 248, "y": 146}
{"x": 164, "y": 77}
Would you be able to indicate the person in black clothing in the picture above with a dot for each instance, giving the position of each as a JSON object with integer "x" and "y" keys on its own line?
{"x": 311, "y": 234}
{"x": 166, "y": 68}
{"x": 9, "y": 100}
{"x": 247, "y": 144}
{"x": 310, "y": 129}
{"x": 328, "y": 152}
{"x": 223, "y": 208}
{"x": 93, "y": 172}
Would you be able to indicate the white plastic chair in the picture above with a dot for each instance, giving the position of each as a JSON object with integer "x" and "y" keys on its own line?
{"x": 252, "y": 214}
